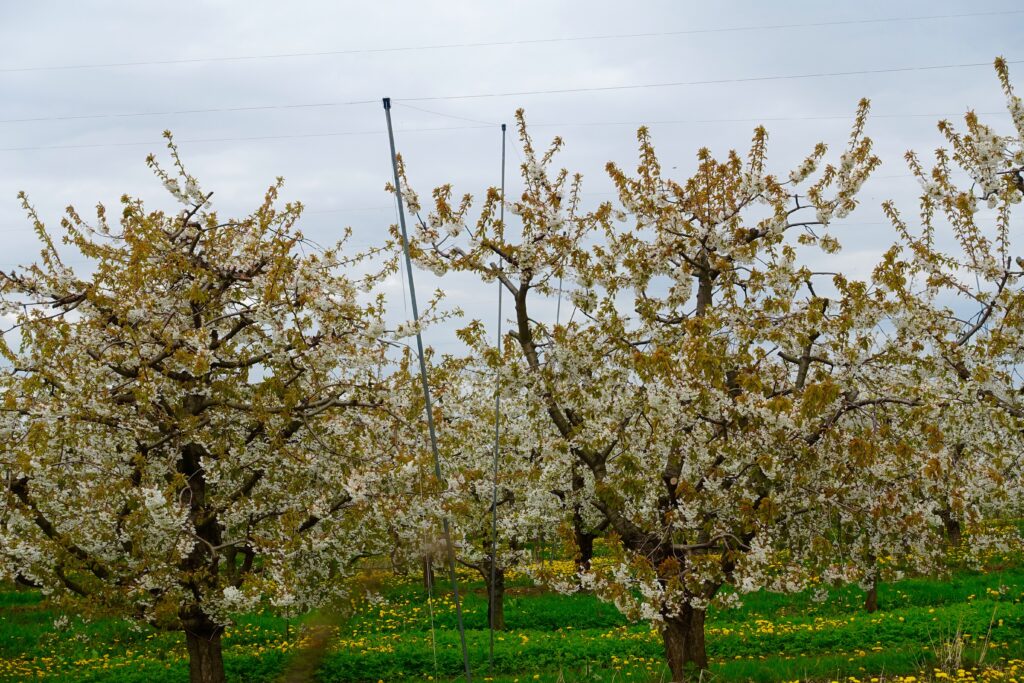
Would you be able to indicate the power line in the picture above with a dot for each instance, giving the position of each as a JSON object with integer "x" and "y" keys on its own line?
{"x": 714, "y": 81}
{"x": 291, "y": 136}
{"x": 482, "y": 126}
{"x": 761, "y": 119}
{"x": 490, "y": 124}
{"x": 768, "y": 119}
{"x": 388, "y": 207}
{"x": 508, "y": 43}
{"x": 520, "y": 93}
{"x": 214, "y": 110}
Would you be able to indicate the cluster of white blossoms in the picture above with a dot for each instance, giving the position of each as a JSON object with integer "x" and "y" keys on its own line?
{"x": 376, "y": 329}
{"x": 453, "y": 229}
{"x": 164, "y": 516}
{"x": 231, "y": 601}
{"x": 931, "y": 189}
{"x": 405, "y": 329}
{"x": 804, "y": 170}
{"x": 990, "y": 161}
{"x": 1015, "y": 105}
{"x": 533, "y": 172}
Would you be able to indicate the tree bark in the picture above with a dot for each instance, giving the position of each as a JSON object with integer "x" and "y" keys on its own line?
{"x": 202, "y": 634}
{"x": 871, "y": 599}
{"x": 584, "y": 548}
{"x": 428, "y": 572}
{"x": 951, "y": 525}
{"x": 683, "y": 635}
{"x": 205, "y": 659}
{"x": 495, "y": 596}
{"x": 584, "y": 540}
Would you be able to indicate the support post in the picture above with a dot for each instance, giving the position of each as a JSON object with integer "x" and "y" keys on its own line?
{"x": 426, "y": 387}
{"x": 497, "y": 433}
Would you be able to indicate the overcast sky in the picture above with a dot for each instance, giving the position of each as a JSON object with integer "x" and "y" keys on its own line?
{"x": 86, "y": 88}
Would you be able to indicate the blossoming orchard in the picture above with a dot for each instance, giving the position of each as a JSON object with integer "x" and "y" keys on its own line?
{"x": 212, "y": 421}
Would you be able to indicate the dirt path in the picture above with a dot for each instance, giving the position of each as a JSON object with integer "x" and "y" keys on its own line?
{"x": 318, "y": 632}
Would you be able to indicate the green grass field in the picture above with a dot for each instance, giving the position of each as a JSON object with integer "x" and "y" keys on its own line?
{"x": 553, "y": 637}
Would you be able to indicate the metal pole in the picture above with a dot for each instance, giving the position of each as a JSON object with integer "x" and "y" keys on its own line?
{"x": 426, "y": 387}
{"x": 497, "y": 426}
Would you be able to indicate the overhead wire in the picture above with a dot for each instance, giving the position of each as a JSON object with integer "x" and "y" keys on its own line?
{"x": 482, "y": 126}
{"x": 508, "y": 43}
{"x": 211, "y": 110}
{"x": 710, "y": 81}
{"x": 522, "y": 93}
{"x": 247, "y": 138}
{"x": 489, "y": 124}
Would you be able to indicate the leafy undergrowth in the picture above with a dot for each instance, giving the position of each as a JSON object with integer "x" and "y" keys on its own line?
{"x": 925, "y": 629}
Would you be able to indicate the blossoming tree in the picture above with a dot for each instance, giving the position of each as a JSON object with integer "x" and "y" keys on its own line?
{"x": 708, "y": 385}
{"x": 478, "y": 496}
{"x": 521, "y": 504}
{"x": 948, "y": 460}
{"x": 958, "y": 278}
{"x": 185, "y": 424}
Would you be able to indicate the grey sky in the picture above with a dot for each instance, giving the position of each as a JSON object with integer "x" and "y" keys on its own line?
{"x": 341, "y": 177}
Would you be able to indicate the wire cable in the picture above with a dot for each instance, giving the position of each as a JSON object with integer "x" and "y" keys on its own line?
{"x": 212, "y": 110}
{"x": 448, "y": 116}
{"x": 712, "y": 81}
{"x": 522, "y": 93}
{"x": 248, "y": 138}
{"x": 507, "y": 43}
{"x": 482, "y": 126}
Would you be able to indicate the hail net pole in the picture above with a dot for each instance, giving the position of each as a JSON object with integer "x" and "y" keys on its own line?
{"x": 428, "y": 408}
{"x": 497, "y": 431}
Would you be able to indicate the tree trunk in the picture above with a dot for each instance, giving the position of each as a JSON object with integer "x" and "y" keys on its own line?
{"x": 584, "y": 549}
{"x": 683, "y": 635}
{"x": 202, "y": 634}
{"x": 495, "y": 596}
{"x": 205, "y": 659}
{"x": 584, "y": 540}
{"x": 871, "y": 600}
{"x": 951, "y": 525}
{"x": 428, "y": 572}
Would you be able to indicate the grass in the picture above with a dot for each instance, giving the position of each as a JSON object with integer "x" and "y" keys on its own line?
{"x": 550, "y": 637}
